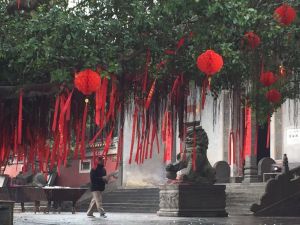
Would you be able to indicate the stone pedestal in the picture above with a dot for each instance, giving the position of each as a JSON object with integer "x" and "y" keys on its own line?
{"x": 251, "y": 170}
{"x": 192, "y": 200}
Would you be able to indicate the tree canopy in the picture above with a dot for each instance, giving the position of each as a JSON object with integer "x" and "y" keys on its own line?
{"x": 52, "y": 41}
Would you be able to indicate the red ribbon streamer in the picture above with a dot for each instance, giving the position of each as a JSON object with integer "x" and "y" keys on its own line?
{"x": 203, "y": 92}
{"x": 152, "y": 139}
{"x": 133, "y": 133}
{"x": 194, "y": 156}
{"x": 55, "y": 114}
{"x": 231, "y": 148}
{"x": 108, "y": 142}
{"x": 112, "y": 100}
{"x": 150, "y": 95}
{"x": 77, "y": 139}
{"x": 268, "y": 133}
{"x": 20, "y": 117}
{"x": 180, "y": 42}
{"x": 120, "y": 147}
{"x": 82, "y": 145}
{"x": 98, "y": 104}
{"x": 146, "y": 71}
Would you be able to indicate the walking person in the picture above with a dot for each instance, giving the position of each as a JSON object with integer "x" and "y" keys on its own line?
{"x": 98, "y": 181}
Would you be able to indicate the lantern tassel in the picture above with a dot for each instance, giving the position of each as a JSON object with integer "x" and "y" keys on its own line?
{"x": 82, "y": 145}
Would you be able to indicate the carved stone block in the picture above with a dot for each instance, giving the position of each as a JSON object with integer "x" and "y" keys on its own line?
{"x": 192, "y": 200}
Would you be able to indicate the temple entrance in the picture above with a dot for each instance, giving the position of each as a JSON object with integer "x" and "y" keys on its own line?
{"x": 262, "y": 149}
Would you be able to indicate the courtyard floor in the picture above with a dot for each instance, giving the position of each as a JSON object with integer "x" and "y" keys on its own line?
{"x": 30, "y": 218}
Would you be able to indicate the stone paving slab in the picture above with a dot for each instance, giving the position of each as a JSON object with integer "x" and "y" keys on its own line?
{"x": 143, "y": 219}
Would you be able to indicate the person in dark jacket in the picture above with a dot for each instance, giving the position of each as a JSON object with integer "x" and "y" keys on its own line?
{"x": 98, "y": 180}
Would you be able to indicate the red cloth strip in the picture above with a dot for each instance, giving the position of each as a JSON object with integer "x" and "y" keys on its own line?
{"x": 153, "y": 132}
{"x": 268, "y": 133}
{"x": 108, "y": 142}
{"x": 55, "y": 114}
{"x": 96, "y": 136}
{"x": 112, "y": 100}
{"x": 203, "y": 92}
{"x": 82, "y": 145}
{"x": 20, "y": 117}
{"x": 138, "y": 145}
{"x": 133, "y": 133}
{"x": 194, "y": 155}
{"x": 120, "y": 147}
{"x": 180, "y": 42}
{"x": 77, "y": 139}
{"x": 150, "y": 95}
{"x": 98, "y": 104}
{"x": 146, "y": 70}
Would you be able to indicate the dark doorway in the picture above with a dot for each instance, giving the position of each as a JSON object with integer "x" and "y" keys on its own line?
{"x": 262, "y": 149}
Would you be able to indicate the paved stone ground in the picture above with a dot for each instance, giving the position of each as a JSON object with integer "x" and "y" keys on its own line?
{"x": 142, "y": 219}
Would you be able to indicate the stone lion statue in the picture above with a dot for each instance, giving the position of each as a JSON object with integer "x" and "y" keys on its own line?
{"x": 183, "y": 169}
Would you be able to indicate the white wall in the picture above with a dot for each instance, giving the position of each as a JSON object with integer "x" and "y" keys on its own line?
{"x": 214, "y": 131}
{"x": 291, "y": 130}
{"x": 151, "y": 172}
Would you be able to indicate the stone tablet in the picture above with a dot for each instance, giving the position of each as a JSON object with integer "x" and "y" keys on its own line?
{"x": 265, "y": 165}
{"x": 222, "y": 172}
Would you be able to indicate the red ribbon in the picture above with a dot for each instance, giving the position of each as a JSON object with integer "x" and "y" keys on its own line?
{"x": 138, "y": 147}
{"x": 98, "y": 104}
{"x": 103, "y": 101}
{"x": 120, "y": 147}
{"x": 133, "y": 133}
{"x": 180, "y": 42}
{"x": 231, "y": 148}
{"x": 20, "y": 117}
{"x": 153, "y": 133}
{"x": 147, "y": 145}
{"x": 55, "y": 114}
{"x": 268, "y": 133}
{"x": 247, "y": 132}
{"x": 146, "y": 70}
{"x": 168, "y": 137}
{"x": 112, "y": 100}
{"x": 82, "y": 145}
{"x": 77, "y": 139}
{"x": 203, "y": 92}
{"x": 108, "y": 142}
{"x": 150, "y": 95}
{"x": 194, "y": 155}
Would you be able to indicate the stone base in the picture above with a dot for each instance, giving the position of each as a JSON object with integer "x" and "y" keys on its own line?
{"x": 252, "y": 179}
{"x": 192, "y": 200}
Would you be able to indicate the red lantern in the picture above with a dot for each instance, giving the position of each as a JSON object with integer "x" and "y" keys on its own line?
{"x": 267, "y": 78}
{"x": 285, "y": 14}
{"x": 273, "y": 96}
{"x": 87, "y": 81}
{"x": 210, "y": 62}
{"x": 252, "y": 39}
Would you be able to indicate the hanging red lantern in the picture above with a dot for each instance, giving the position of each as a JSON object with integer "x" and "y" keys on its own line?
{"x": 267, "y": 78}
{"x": 285, "y": 14}
{"x": 210, "y": 62}
{"x": 273, "y": 96}
{"x": 87, "y": 81}
{"x": 252, "y": 39}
